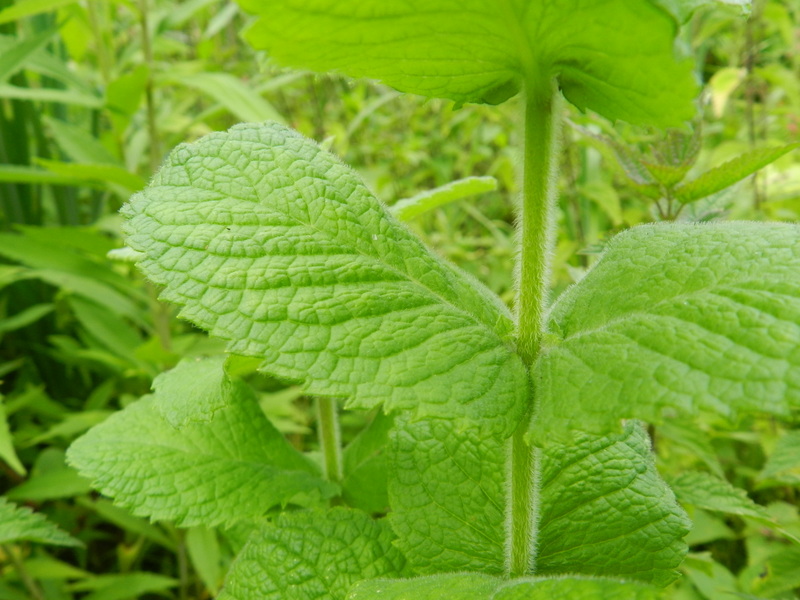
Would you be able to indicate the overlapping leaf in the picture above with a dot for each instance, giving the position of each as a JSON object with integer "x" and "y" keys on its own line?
{"x": 475, "y": 586}
{"x": 269, "y": 242}
{"x": 224, "y": 463}
{"x": 478, "y": 51}
{"x": 604, "y": 510}
{"x": 312, "y": 555}
{"x": 676, "y": 319}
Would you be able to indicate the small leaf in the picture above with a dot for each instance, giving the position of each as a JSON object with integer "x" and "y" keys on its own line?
{"x": 783, "y": 465}
{"x": 14, "y": 58}
{"x": 475, "y": 586}
{"x": 193, "y": 391}
{"x": 706, "y": 491}
{"x": 19, "y": 523}
{"x": 7, "y": 451}
{"x": 477, "y": 51}
{"x": 240, "y": 100}
{"x": 676, "y": 319}
{"x": 407, "y": 209}
{"x": 312, "y": 555}
{"x": 26, "y": 8}
{"x": 719, "y": 178}
{"x": 229, "y": 465}
{"x": 271, "y": 243}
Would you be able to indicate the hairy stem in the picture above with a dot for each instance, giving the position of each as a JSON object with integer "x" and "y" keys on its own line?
{"x": 540, "y": 162}
{"x": 329, "y": 438}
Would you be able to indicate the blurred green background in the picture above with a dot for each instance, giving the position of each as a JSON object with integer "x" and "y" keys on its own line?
{"x": 93, "y": 94}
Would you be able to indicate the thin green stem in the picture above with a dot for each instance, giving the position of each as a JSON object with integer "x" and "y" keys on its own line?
{"x": 152, "y": 126}
{"x": 19, "y": 565}
{"x": 537, "y": 223}
{"x": 329, "y": 438}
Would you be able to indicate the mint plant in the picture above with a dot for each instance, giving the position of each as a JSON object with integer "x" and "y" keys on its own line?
{"x": 516, "y": 464}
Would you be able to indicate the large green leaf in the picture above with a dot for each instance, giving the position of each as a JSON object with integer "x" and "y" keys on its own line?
{"x": 604, "y": 510}
{"x": 219, "y": 463}
{"x": 475, "y": 586}
{"x": 271, "y": 243}
{"x": 312, "y": 555}
{"x": 18, "y": 523}
{"x": 676, "y": 319}
{"x": 612, "y": 56}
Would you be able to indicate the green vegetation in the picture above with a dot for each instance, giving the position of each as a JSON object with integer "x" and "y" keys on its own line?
{"x": 367, "y": 418}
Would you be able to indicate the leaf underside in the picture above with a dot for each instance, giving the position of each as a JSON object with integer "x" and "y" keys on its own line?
{"x": 478, "y": 51}
{"x": 604, "y": 510}
{"x": 312, "y": 555}
{"x": 269, "y": 242}
{"x": 692, "y": 319}
{"x": 212, "y": 469}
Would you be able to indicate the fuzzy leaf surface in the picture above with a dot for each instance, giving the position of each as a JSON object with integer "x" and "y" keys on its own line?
{"x": 604, "y": 510}
{"x": 271, "y": 243}
{"x": 234, "y": 465}
{"x": 475, "y": 586}
{"x": 312, "y": 555}
{"x": 20, "y": 523}
{"x": 676, "y": 319}
{"x": 477, "y": 51}
{"x": 721, "y": 177}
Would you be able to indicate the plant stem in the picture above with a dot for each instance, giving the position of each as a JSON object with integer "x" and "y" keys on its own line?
{"x": 539, "y": 182}
{"x": 152, "y": 126}
{"x": 329, "y": 439}
{"x": 19, "y": 565}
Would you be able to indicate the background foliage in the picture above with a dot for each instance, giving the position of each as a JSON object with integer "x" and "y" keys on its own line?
{"x": 92, "y": 96}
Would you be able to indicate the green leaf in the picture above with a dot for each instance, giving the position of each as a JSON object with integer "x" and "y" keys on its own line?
{"x": 719, "y": 178}
{"x": 7, "y": 451}
{"x": 224, "y": 462}
{"x": 366, "y": 467}
{"x": 14, "y": 58}
{"x": 675, "y": 319}
{"x": 475, "y": 586}
{"x": 474, "y": 51}
{"x": 204, "y": 552}
{"x": 783, "y": 465}
{"x": 124, "y": 586}
{"x": 312, "y": 555}
{"x": 776, "y": 575}
{"x": 242, "y": 101}
{"x": 27, "y": 8}
{"x": 704, "y": 490}
{"x": 100, "y": 173}
{"x": 408, "y": 208}
{"x": 447, "y": 496}
{"x": 193, "y": 391}
{"x": 269, "y": 242}
{"x": 19, "y": 523}
{"x": 604, "y": 510}
{"x": 51, "y": 95}
{"x": 25, "y": 317}
{"x": 684, "y": 9}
